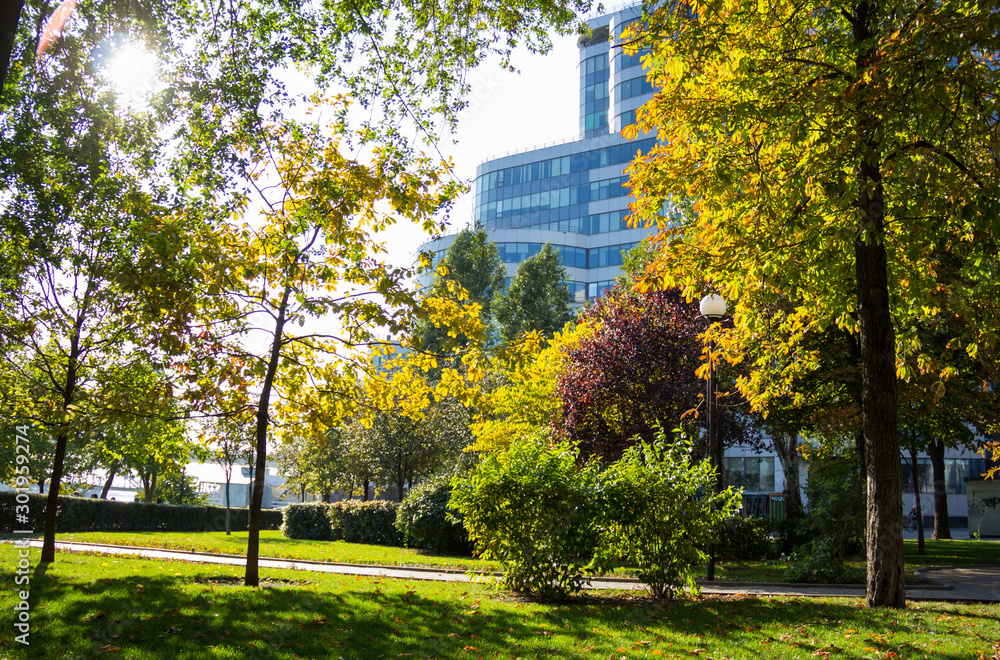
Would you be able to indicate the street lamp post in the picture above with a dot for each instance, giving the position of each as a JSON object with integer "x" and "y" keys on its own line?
{"x": 713, "y": 308}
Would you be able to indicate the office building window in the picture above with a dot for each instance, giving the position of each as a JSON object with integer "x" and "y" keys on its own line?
{"x": 612, "y": 255}
{"x": 955, "y": 472}
{"x": 629, "y": 89}
{"x": 750, "y": 473}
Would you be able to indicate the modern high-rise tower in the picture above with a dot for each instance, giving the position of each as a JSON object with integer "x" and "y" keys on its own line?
{"x": 573, "y": 194}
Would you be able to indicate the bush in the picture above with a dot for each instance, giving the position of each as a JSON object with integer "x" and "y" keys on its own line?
{"x": 744, "y": 538}
{"x": 423, "y": 519}
{"x": 373, "y": 522}
{"x": 532, "y": 508}
{"x": 836, "y": 505}
{"x": 308, "y": 520}
{"x": 78, "y": 514}
{"x": 820, "y": 565}
{"x": 657, "y": 515}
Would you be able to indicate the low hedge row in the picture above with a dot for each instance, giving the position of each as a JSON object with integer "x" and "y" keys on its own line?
{"x": 78, "y": 514}
{"x": 352, "y": 521}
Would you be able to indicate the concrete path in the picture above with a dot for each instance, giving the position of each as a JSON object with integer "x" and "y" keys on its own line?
{"x": 953, "y": 583}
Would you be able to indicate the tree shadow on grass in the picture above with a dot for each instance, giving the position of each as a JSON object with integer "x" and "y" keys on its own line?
{"x": 204, "y": 613}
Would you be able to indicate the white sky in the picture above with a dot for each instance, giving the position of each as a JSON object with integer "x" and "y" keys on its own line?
{"x": 507, "y": 112}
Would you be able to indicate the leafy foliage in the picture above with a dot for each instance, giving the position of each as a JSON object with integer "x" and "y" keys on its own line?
{"x": 534, "y": 508}
{"x": 820, "y": 564}
{"x": 659, "y": 516}
{"x": 843, "y": 161}
{"x": 98, "y": 302}
{"x": 526, "y": 403}
{"x": 472, "y": 262}
{"x": 638, "y": 368}
{"x": 744, "y": 538}
{"x": 307, "y": 520}
{"x": 537, "y": 299}
{"x": 836, "y": 505}
{"x": 423, "y": 518}
{"x": 365, "y": 522}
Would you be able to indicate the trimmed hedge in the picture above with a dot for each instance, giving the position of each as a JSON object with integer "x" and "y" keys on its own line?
{"x": 79, "y": 514}
{"x": 425, "y": 522}
{"x": 373, "y": 522}
{"x": 352, "y": 521}
{"x": 309, "y": 520}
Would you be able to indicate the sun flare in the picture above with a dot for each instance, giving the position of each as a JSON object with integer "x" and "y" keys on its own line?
{"x": 132, "y": 70}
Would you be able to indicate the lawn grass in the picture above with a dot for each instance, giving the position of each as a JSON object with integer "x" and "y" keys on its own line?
{"x": 87, "y": 606}
{"x": 273, "y": 544}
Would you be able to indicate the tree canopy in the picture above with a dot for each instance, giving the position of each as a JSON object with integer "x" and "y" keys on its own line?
{"x": 537, "y": 299}
{"x": 836, "y": 153}
{"x": 473, "y": 262}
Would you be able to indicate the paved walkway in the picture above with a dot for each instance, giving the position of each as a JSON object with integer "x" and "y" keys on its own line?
{"x": 955, "y": 583}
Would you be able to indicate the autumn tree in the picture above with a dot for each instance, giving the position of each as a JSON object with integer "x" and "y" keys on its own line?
{"x": 537, "y": 299}
{"x": 91, "y": 298}
{"x": 836, "y": 152}
{"x": 472, "y": 261}
{"x": 316, "y": 255}
{"x": 637, "y": 371}
{"x": 523, "y": 402}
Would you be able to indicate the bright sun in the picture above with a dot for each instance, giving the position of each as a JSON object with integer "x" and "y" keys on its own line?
{"x": 132, "y": 70}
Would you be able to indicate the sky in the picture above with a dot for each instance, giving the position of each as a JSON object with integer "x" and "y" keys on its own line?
{"x": 507, "y": 112}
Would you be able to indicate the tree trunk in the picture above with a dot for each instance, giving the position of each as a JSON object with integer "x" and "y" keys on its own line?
{"x": 62, "y": 439}
{"x": 52, "y": 503}
{"x": 884, "y": 534}
{"x": 942, "y": 528}
{"x": 10, "y": 16}
{"x": 41, "y": 486}
{"x": 110, "y": 479}
{"x": 228, "y": 527}
{"x": 921, "y": 550}
{"x": 252, "y": 578}
{"x": 148, "y": 486}
{"x": 366, "y": 483}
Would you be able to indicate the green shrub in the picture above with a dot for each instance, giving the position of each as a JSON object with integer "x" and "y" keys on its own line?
{"x": 373, "y": 522}
{"x": 532, "y": 508}
{"x": 819, "y": 564}
{"x": 79, "y": 514}
{"x": 657, "y": 516}
{"x": 744, "y": 538}
{"x": 836, "y": 505}
{"x": 423, "y": 519}
{"x": 308, "y": 520}
{"x": 835, "y": 522}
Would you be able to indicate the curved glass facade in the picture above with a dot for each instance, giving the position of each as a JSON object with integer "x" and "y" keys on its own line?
{"x": 554, "y": 193}
{"x": 575, "y": 195}
{"x": 594, "y": 79}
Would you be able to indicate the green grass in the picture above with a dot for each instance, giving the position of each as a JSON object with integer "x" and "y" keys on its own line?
{"x": 955, "y": 552}
{"x": 86, "y": 606}
{"x": 273, "y": 544}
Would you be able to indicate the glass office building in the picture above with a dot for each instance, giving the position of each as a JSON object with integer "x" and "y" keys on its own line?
{"x": 573, "y": 195}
